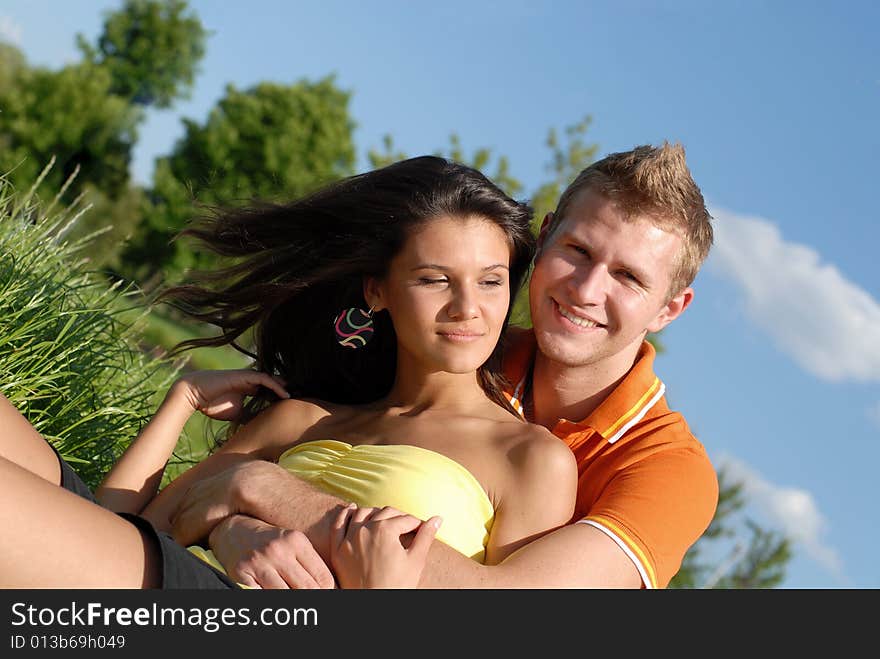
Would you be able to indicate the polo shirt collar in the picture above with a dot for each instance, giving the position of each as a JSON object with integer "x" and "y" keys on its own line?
{"x": 628, "y": 404}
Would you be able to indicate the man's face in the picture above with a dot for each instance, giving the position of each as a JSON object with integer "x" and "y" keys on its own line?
{"x": 600, "y": 283}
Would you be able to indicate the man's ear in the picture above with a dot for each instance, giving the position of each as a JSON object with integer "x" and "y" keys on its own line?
{"x": 545, "y": 226}
{"x": 373, "y": 293}
{"x": 672, "y": 310}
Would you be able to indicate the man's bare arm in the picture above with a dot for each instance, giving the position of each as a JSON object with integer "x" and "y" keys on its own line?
{"x": 261, "y": 490}
{"x": 575, "y": 556}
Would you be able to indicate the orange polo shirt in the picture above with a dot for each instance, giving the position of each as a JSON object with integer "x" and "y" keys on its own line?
{"x": 643, "y": 478}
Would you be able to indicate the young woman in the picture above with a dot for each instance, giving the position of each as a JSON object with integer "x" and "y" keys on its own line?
{"x": 380, "y": 302}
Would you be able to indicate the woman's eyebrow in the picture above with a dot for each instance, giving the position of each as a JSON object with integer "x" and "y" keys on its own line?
{"x": 435, "y": 266}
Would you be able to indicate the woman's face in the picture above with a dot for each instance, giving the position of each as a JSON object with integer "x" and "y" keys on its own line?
{"x": 447, "y": 292}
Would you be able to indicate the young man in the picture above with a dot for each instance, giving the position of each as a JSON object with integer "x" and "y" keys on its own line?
{"x": 615, "y": 261}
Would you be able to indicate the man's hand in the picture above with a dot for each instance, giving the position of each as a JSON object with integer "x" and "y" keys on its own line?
{"x": 208, "y": 502}
{"x": 260, "y": 555}
{"x": 367, "y": 549}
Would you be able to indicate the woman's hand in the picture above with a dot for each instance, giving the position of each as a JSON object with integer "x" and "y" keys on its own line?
{"x": 220, "y": 394}
{"x": 367, "y": 547}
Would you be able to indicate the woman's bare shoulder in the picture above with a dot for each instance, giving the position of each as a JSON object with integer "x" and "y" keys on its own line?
{"x": 302, "y": 413}
{"x": 305, "y": 408}
{"x": 534, "y": 448}
{"x": 515, "y": 430}
{"x": 288, "y": 422}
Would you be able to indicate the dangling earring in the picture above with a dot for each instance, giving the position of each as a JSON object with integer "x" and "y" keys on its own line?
{"x": 354, "y": 327}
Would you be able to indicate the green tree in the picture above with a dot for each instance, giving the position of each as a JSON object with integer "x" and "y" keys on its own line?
{"x": 110, "y": 222}
{"x": 151, "y": 49}
{"x": 755, "y": 558}
{"x": 84, "y": 117}
{"x": 12, "y": 61}
{"x": 69, "y": 116}
{"x": 480, "y": 160}
{"x": 567, "y": 158}
{"x": 270, "y": 141}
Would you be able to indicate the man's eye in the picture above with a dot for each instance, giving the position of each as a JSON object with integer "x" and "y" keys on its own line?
{"x": 579, "y": 249}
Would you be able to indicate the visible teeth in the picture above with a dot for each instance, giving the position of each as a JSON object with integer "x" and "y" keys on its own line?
{"x": 580, "y": 322}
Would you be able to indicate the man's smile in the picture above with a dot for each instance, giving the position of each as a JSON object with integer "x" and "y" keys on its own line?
{"x": 582, "y": 322}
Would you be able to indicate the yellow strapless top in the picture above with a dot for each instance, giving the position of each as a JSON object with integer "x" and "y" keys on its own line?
{"x": 416, "y": 480}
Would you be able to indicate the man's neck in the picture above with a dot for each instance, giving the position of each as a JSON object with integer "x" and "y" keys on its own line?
{"x": 572, "y": 392}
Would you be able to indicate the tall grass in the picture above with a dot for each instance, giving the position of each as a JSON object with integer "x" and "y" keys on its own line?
{"x": 70, "y": 353}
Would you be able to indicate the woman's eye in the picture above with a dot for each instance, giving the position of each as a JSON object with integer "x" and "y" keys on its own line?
{"x": 427, "y": 281}
{"x": 579, "y": 249}
{"x": 493, "y": 282}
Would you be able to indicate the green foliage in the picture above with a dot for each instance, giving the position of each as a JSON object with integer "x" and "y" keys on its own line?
{"x": 111, "y": 220}
{"x": 150, "y": 49}
{"x": 163, "y": 329}
{"x": 387, "y": 155}
{"x": 479, "y": 160}
{"x": 84, "y": 117}
{"x": 267, "y": 142}
{"x": 70, "y": 116}
{"x": 69, "y": 354}
{"x": 567, "y": 159}
{"x": 11, "y": 63}
{"x": 763, "y": 565}
{"x": 758, "y": 562}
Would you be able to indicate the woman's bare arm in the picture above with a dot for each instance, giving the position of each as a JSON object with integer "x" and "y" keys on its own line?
{"x": 537, "y": 495}
{"x": 136, "y": 476}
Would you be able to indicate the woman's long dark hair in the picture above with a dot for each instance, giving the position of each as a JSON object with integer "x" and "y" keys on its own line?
{"x": 295, "y": 266}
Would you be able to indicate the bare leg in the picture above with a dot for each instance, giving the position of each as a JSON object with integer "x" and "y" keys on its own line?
{"x": 52, "y": 537}
{"x": 55, "y": 539}
{"x": 22, "y": 444}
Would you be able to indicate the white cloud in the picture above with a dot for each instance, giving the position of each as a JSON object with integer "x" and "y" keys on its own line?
{"x": 827, "y": 324}
{"x": 10, "y": 30}
{"x": 792, "y": 510}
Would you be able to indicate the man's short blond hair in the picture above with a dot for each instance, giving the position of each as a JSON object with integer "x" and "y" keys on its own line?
{"x": 655, "y": 182}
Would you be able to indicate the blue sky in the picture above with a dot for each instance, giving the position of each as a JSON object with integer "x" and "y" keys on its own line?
{"x": 776, "y": 365}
